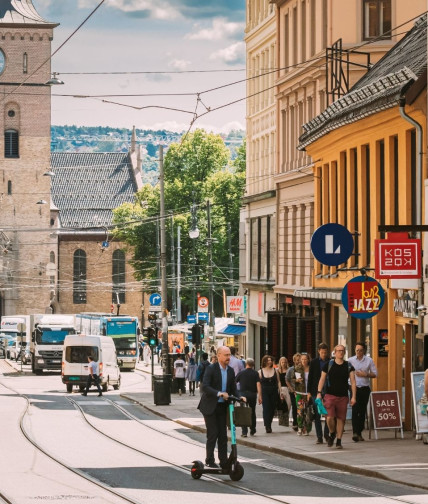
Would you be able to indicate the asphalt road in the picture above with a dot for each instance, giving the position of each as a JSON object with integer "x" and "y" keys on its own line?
{"x": 144, "y": 458}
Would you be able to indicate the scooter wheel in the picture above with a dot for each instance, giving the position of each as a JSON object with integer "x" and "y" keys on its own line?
{"x": 237, "y": 473}
{"x": 196, "y": 470}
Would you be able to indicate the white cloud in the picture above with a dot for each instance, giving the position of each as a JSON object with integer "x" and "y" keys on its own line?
{"x": 219, "y": 30}
{"x": 161, "y": 9}
{"x": 178, "y": 64}
{"x": 231, "y": 55}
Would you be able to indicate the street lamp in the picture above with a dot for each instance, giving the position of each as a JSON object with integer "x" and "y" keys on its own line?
{"x": 54, "y": 81}
{"x": 194, "y": 233}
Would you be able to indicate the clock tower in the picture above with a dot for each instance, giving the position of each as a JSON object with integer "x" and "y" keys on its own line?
{"x": 27, "y": 247}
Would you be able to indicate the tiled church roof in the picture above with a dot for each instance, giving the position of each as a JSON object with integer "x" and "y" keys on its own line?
{"x": 379, "y": 89}
{"x": 86, "y": 187}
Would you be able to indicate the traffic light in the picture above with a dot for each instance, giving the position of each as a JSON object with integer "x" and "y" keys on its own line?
{"x": 152, "y": 337}
{"x": 196, "y": 334}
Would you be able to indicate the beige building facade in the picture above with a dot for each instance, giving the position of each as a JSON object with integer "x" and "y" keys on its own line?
{"x": 358, "y": 31}
{"x": 258, "y": 218}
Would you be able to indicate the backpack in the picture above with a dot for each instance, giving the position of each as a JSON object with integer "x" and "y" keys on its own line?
{"x": 200, "y": 372}
{"x": 330, "y": 365}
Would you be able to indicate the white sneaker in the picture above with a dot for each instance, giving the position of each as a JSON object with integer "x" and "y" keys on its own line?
{"x": 299, "y": 432}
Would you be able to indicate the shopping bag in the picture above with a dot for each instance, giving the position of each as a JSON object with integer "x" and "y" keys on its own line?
{"x": 320, "y": 407}
{"x": 241, "y": 416}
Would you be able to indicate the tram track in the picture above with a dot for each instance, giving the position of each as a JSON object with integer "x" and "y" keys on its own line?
{"x": 259, "y": 464}
{"x": 57, "y": 460}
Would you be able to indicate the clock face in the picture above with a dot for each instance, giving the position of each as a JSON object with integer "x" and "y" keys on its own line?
{"x": 2, "y": 61}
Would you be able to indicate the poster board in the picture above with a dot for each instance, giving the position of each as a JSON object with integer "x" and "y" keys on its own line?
{"x": 386, "y": 410}
{"x": 421, "y": 418}
{"x": 175, "y": 336}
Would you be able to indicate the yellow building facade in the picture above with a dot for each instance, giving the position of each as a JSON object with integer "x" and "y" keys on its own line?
{"x": 365, "y": 176}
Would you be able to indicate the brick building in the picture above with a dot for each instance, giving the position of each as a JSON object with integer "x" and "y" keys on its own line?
{"x": 52, "y": 256}
{"x": 25, "y": 242}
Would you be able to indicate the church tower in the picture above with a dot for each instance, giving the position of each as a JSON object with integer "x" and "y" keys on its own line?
{"x": 28, "y": 249}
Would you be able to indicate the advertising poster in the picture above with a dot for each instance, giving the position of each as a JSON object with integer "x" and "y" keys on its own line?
{"x": 420, "y": 402}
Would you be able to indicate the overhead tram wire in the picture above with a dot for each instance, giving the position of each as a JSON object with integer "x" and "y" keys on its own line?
{"x": 55, "y": 52}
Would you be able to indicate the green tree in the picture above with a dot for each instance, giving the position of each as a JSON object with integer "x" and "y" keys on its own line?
{"x": 197, "y": 169}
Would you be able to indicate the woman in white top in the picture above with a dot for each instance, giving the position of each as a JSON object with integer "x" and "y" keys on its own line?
{"x": 304, "y": 417}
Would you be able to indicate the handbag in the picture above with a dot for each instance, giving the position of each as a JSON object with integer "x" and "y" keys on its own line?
{"x": 241, "y": 416}
{"x": 320, "y": 407}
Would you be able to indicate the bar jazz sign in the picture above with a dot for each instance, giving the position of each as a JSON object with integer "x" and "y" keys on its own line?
{"x": 398, "y": 257}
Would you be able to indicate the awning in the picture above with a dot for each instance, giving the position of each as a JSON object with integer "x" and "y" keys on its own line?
{"x": 233, "y": 329}
{"x": 334, "y": 295}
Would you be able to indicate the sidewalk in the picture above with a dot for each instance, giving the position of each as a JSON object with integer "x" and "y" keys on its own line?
{"x": 404, "y": 461}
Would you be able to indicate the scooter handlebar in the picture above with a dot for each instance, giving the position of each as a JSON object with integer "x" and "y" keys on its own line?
{"x": 233, "y": 398}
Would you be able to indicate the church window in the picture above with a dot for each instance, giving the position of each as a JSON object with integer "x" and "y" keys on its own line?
{"x": 118, "y": 277}
{"x": 25, "y": 63}
{"x": 79, "y": 277}
{"x": 11, "y": 144}
{"x": 9, "y": 187}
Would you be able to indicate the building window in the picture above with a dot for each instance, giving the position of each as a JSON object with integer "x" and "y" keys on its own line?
{"x": 11, "y": 144}
{"x": 9, "y": 187}
{"x": 118, "y": 277}
{"x": 52, "y": 257}
{"x": 79, "y": 277}
{"x": 261, "y": 267}
{"x": 25, "y": 63}
{"x": 376, "y": 19}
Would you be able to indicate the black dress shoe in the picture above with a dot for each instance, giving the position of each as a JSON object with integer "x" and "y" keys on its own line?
{"x": 213, "y": 465}
{"x": 268, "y": 430}
{"x": 84, "y": 394}
{"x": 100, "y": 394}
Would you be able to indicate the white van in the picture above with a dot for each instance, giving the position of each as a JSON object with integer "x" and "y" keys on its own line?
{"x": 75, "y": 371}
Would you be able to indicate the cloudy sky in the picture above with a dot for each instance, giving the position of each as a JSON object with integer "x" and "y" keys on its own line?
{"x": 149, "y": 36}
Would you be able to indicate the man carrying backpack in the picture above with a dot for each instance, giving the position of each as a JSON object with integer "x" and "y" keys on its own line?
{"x": 335, "y": 374}
{"x": 201, "y": 370}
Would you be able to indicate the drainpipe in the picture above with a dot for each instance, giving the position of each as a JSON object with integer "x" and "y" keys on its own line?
{"x": 419, "y": 164}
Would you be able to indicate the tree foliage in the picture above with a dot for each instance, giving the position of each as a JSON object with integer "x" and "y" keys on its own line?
{"x": 196, "y": 170}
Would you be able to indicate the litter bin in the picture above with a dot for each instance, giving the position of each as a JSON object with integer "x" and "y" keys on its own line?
{"x": 162, "y": 389}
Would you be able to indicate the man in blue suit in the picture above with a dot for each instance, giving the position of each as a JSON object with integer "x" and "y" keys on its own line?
{"x": 218, "y": 384}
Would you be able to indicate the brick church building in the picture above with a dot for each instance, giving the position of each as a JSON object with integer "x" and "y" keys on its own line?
{"x": 55, "y": 209}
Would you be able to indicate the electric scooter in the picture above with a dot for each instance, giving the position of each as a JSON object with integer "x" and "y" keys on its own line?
{"x": 233, "y": 468}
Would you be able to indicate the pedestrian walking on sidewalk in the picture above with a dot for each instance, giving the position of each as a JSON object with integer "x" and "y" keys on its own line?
{"x": 315, "y": 368}
{"x": 270, "y": 387}
{"x": 180, "y": 374}
{"x": 284, "y": 394}
{"x": 93, "y": 377}
{"x": 236, "y": 364}
{"x": 304, "y": 408}
{"x": 365, "y": 369}
{"x": 191, "y": 375}
{"x": 336, "y": 374}
{"x": 218, "y": 384}
{"x": 291, "y": 384}
{"x": 250, "y": 387}
{"x": 201, "y": 370}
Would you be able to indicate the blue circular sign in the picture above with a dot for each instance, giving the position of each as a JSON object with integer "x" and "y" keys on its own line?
{"x": 155, "y": 299}
{"x": 332, "y": 244}
{"x": 363, "y": 297}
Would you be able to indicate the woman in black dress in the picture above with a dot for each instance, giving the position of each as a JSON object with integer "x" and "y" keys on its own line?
{"x": 270, "y": 386}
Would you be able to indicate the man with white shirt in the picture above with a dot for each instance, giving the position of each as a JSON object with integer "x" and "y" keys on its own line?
{"x": 92, "y": 377}
{"x": 365, "y": 369}
{"x": 236, "y": 364}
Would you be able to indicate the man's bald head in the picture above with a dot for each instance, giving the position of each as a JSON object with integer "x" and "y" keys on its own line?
{"x": 223, "y": 355}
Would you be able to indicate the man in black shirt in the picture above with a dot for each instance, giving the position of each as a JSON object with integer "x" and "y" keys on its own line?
{"x": 315, "y": 368}
{"x": 251, "y": 388}
{"x": 335, "y": 374}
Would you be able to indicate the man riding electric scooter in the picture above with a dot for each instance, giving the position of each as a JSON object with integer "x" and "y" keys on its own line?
{"x": 218, "y": 386}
